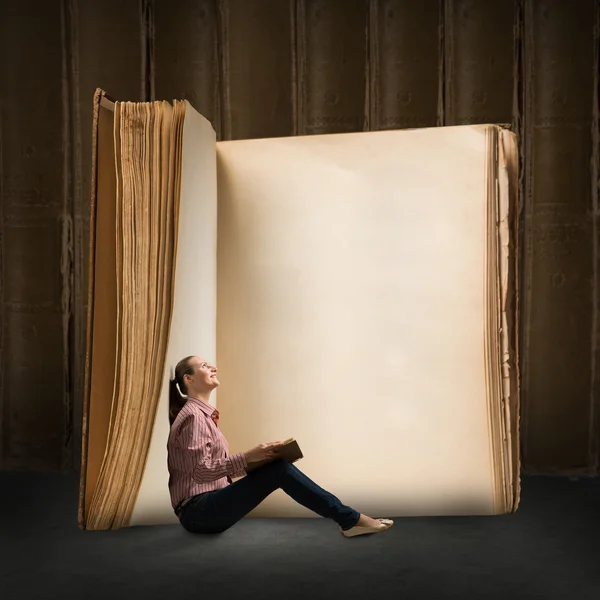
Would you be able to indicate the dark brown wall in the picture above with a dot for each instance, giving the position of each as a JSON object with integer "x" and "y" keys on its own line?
{"x": 260, "y": 68}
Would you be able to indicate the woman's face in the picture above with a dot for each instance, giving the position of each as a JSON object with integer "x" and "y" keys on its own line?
{"x": 204, "y": 378}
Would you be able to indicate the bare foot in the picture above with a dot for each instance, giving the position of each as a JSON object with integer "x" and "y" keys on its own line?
{"x": 365, "y": 521}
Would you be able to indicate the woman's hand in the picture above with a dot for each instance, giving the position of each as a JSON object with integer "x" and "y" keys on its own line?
{"x": 262, "y": 452}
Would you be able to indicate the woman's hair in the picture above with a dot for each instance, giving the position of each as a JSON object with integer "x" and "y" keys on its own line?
{"x": 176, "y": 400}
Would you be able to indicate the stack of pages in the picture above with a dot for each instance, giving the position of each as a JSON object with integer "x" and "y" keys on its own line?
{"x": 358, "y": 293}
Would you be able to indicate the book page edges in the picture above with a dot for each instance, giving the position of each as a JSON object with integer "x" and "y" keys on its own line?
{"x": 509, "y": 229}
{"x": 193, "y": 320}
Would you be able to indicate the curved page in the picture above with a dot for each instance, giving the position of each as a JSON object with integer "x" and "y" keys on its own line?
{"x": 193, "y": 321}
{"x": 351, "y": 274}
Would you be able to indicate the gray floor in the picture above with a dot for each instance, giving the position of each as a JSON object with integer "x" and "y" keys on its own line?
{"x": 549, "y": 549}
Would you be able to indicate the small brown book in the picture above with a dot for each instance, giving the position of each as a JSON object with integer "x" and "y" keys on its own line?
{"x": 290, "y": 452}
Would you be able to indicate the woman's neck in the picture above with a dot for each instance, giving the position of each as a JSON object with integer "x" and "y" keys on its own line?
{"x": 204, "y": 396}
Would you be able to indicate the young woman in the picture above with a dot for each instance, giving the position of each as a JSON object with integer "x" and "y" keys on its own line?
{"x": 203, "y": 495}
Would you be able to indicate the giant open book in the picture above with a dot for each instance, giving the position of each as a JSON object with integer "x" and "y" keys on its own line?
{"x": 358, "y": 292}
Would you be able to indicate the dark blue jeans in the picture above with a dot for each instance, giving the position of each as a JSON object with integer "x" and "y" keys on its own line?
{"x": 214, "y": 512}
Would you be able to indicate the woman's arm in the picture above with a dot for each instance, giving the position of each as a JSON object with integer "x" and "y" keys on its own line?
{"x": 196, "y": 439}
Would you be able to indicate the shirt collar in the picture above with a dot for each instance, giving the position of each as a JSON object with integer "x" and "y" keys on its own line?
{"x": 204, "y": 407}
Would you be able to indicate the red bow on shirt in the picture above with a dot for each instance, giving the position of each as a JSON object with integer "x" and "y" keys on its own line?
{"x": 215, "y": 418}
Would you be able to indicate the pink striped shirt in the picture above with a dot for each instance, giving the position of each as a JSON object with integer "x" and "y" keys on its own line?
{"x": 197, "y": 453}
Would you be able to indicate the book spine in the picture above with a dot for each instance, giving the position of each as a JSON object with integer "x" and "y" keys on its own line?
{"x": 185, "y": 59}
{"x": 332, "y": 49}
{"x": 115, "y": 49}
{"x": 558, "y": 270}
{"x": 403, "y": 64}
{"x": 257, "y": 68}
{"x": 478, "y": 62}
{"x": 87, "y": 370}
{"x": 35, "y": 220}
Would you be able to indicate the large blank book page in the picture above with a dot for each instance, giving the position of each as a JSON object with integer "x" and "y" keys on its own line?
{"x": 350, "y": 314}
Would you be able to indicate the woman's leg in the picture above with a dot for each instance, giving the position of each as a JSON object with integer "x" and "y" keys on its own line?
{"x": 216, "y": 511}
